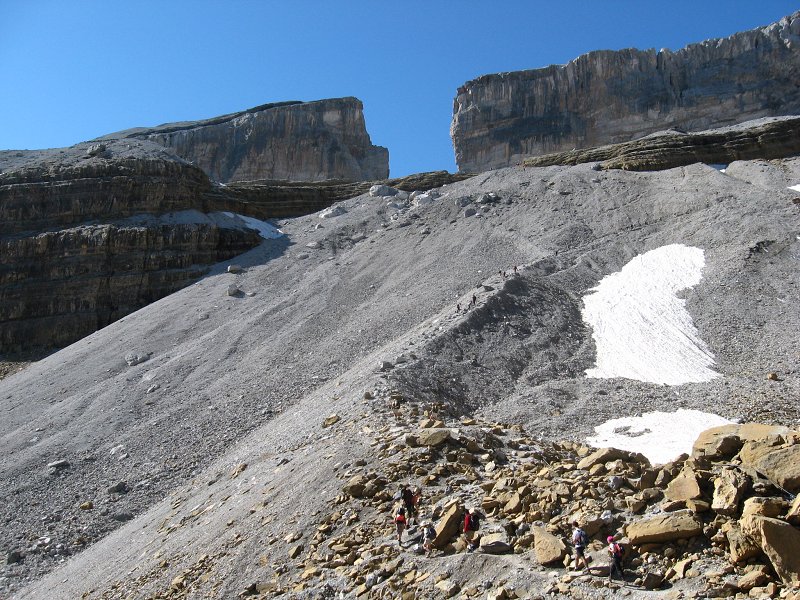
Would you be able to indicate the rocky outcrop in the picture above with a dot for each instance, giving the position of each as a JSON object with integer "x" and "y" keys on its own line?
{"x": 77, "y": 250}
{"x": 295, "y": 141}
{"x": 777, "y": 137}
{"x": 607, "y": 97}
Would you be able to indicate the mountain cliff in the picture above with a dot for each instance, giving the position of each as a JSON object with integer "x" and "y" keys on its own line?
{"x": 606, "y": 97}
{"x": 295, "y": 141}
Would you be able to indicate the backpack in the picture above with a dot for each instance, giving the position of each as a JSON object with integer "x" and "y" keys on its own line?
{"x": 474, "y": 521}
{"x": 583, "y": 539}
{"x": 617, "y": 550}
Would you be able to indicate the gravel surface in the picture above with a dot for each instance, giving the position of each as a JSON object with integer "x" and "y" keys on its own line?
{"x": 225, "y": 380}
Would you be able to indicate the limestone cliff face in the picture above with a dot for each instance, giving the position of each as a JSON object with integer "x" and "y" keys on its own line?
{"x": 74, "y": 258}
{"x": 607, "y": 97}
{"x": 294, "y": 141}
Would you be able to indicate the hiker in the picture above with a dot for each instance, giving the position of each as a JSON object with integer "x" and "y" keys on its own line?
{"x": 474, "y": 300}
{"x": 616, "y": 551}
{"x": 515, "y": 269}
{"x": 472, "y": 522}
{"x": 458, "y": 307}
{"x": 408, "y": 502}
{"x": 428, "y": 535}
{"x": 580, "y": 540}
{"x": 400, "y": 524}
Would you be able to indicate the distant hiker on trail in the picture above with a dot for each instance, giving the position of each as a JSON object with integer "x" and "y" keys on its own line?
{"x": 408, "y": 502}
{"x": 474, "y": 300}
{"x": 580, "y": 540}
{"x": 458, "y": 307}
{"x": 400, "y": 524}
{"x": 428, "y": 535}
{"x": 616, "y": 551}
{"x": 515, "y": 269}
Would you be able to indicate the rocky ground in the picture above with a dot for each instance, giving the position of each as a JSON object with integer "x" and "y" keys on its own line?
{"x": 124, "y": 454}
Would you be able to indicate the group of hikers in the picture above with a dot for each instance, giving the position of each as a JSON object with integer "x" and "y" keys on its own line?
{"x": 408, "y": 509}
{"x": 474, "y": 301}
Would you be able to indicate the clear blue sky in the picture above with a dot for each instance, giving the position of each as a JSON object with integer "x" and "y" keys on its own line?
{"x": 76, "y": 69}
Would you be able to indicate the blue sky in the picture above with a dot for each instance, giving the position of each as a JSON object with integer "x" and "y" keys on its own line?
{"x": 76, "y": 69}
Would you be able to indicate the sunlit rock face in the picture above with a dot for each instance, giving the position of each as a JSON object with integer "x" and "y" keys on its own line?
{"x": 608, "y": 96}
{"x": 294, "y": 141}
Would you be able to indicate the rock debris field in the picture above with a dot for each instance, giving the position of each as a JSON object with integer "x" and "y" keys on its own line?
{"x": 253, "y": 444}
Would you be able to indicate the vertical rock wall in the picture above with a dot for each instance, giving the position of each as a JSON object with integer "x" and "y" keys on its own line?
{"x": 294, "y": 141}
{"x": 606, "y": 97}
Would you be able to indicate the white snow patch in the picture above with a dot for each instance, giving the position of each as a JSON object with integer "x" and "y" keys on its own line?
{"x": 264, "y": 229}
{"x": 641, "y": 328}
{"x": 796, "y": 188}
{"x": 660, "y": 436}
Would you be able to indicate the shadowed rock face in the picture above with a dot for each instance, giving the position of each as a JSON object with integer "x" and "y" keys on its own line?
{"x": 608, "y": 97}
{"x": 295, "y": 141}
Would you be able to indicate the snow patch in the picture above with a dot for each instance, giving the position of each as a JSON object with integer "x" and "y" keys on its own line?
{"x": 264, "y": 229}
{"x": 660, "y": 436}
{"x": 796, "y": 188}
{"x": 641, "y": 328}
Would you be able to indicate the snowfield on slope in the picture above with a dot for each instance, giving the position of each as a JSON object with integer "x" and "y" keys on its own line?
{"x": 660, "y": 436}
{"x": 641, "y": 328}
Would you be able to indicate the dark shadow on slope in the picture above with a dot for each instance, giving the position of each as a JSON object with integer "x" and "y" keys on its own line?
{"x": 529, "y": 332}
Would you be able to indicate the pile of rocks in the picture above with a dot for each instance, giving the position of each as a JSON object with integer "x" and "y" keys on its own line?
{"x": 718, "y": 523}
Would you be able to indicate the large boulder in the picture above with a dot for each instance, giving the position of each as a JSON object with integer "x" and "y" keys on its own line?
{"x": 495, "y": 543}
{"x": 449, "y": 525}
{"x": 740, "y": 546}
{"x": 433, "y": 437}
{"x": 777, "y": 458}
{"x": 686, "y": 486}
{"x": 547, "y": 547}
{"x": 779, "y": 541}
{"x": 664, "y": 528}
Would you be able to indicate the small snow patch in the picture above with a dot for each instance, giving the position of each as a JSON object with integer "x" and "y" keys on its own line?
{"x": 660, "y": 436}
{"x": 264, "y": 229}
{"x": 641, "y": 328}
{"x": 795, "y": 188}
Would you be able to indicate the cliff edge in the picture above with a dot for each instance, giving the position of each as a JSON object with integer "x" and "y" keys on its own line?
{"x": 606, "y": 97}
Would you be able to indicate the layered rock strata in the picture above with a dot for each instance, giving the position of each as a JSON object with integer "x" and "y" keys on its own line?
{"x": 765, "y": 138}
{"x": 295, "y": 141}
{"x": 71, "y": 258}
{"x": 606, "y": 97}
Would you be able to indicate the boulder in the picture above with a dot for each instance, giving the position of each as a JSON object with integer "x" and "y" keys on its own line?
{"x": 793, "y": 516}
{"x": 765, "y": 506}
{"x": 686, "y": 486}
{"x": 604, "y": 455}
{"x": 776, "y": 460}
{"x": 664, "y": 528}
{"x": 718, "y": 442}
{"x": 547, "y": 547}
{"x": 382, "y": 190}
{"x": 729, "y": 486}
{"x": 449, "y": 525}
{"x": 740, "y": 547}
{"x": 433, "y": 437}
{"x": 355, "y": 487}
{"x": 495, "y": 543}
{"x": 779, "y": 541}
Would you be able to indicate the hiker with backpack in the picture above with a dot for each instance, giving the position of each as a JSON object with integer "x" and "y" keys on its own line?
{"x": 428, "y": 535}
{"x": 409, "y": 503}
{"x": 400, "y": 524}
{"x": 472, "y": 522}
{"x": 580, "y": 540}
{"x": 616, "y": 551}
